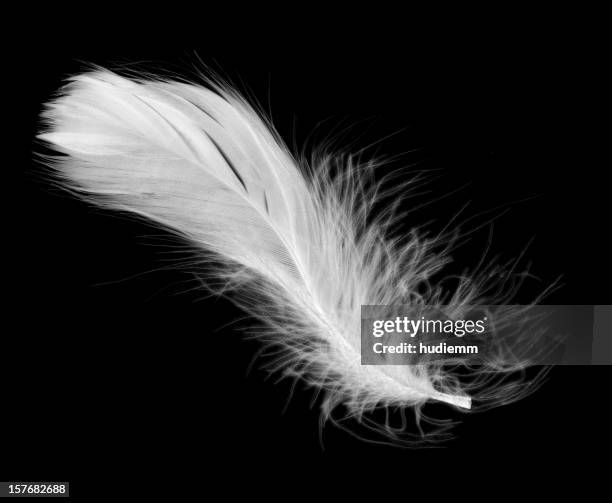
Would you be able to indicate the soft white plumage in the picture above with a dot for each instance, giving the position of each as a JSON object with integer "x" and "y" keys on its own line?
{"x": 296, "y": 247}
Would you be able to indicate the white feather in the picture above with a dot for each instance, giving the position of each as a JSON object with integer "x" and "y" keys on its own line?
{"x": 297, "y": 249}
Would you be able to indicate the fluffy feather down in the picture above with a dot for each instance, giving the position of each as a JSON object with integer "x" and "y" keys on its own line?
{"x": 296, "y": 245}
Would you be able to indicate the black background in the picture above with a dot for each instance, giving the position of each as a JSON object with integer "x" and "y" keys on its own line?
{"x": 115, "y": 365}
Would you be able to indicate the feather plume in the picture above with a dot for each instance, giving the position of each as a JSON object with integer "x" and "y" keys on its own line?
{"x": 298, "y": 247}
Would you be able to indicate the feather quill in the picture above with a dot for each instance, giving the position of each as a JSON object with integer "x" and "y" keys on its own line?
{"x": 297, "y": 246}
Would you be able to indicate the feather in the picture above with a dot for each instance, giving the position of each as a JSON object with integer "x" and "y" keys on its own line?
{"x": 298, "y": 247}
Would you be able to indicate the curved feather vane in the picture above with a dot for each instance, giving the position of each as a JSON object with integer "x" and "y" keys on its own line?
{"x": 296, "y": 245}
